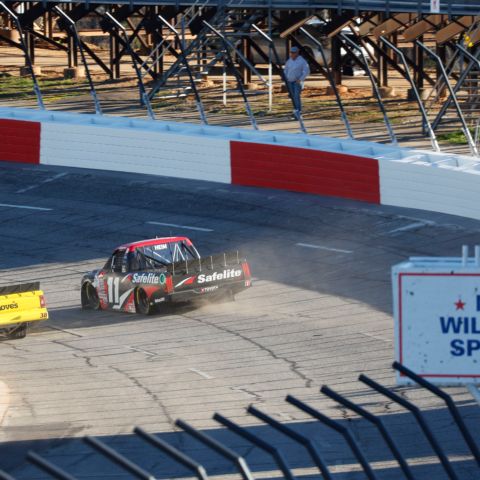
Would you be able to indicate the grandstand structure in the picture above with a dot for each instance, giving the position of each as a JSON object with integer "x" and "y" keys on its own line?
{"x": 172, "y": 47}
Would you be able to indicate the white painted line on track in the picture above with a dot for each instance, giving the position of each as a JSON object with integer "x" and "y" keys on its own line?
{"x": 202, "y": 374}
{"x": 27, "y": 207}
{"x": 376, "y": 337}
{"x": 186, "y": 227}
{"x": 412, "y": 226}
{"x": 48, "y": 180}
{"x": 141, "y": 350}
{"x": 321, "y": 247}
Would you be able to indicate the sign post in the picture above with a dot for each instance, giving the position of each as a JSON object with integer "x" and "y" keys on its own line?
{"x": 437, "y": 318}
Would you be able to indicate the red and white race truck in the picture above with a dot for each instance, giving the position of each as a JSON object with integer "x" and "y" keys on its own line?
{"x": 140, "y": 276}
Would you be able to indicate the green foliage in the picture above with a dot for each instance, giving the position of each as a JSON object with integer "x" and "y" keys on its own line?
{"x": 22, "y": 87}
{"x": 455, "y": 138}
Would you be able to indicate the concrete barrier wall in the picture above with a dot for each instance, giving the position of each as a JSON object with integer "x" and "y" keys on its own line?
{"x": 342, "y": 168}
{"x": 444, "y": 189}
{"x": 305, "y": 170}
{"x": 134, "y": 150}
{"x": 19, "y": 141}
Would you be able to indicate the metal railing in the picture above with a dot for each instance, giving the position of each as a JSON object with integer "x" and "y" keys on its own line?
{"x": 229, "y": 63}
{"x": 375, "y": 89}
{"x": 70, "y": 25}
{"x": 193, "y": 85}
{"x": 466, "y": 130}
{"x": 165, "y": 44}
{"x": 300, "y": 438}
{"x": 23, "y": 46}
{"x": 144, "y": 99}
{"x": 449, "y": 7}
{"x": 426, "y": 122}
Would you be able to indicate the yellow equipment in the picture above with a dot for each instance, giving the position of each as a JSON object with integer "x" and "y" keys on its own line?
{"x": 20, "y": 305}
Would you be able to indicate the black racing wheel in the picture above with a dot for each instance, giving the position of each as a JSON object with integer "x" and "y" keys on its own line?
{"x": 90, "y": 300}
{"x": 142, "y": 303}
{"x": 15, "y": 332}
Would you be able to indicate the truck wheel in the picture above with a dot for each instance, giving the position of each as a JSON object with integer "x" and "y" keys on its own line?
{"x": 16, "y": 332}
{"x": 90, "y": 300}
{"x": 142, "y": 304}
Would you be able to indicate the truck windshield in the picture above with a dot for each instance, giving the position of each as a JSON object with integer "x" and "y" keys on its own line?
{"x": 159, "y": 255}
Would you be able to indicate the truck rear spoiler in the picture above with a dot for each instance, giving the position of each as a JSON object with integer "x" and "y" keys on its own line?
{"x": 197, "y": 265}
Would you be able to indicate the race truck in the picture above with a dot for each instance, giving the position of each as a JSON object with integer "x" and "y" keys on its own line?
{"x": 20, "y": 305}
{"x": 140, "y": 276}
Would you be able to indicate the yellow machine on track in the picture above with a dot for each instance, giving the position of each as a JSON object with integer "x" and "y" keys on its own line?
{"x": 20, "y": 305}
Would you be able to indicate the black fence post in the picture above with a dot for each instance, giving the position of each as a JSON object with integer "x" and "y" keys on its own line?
{"x": 5, "y": 476}
{"x": 344, "y": 431}
{"x": 48, "y": 467}
{"x": 243, "y": 432}
{"x": 172, "y": 452}
{"x": 420, "y": 419}
{"x": 448, "y": 401}
{"x": 223, "y": 450}
{"x": 306, "y": 442}
{"x": 119, "y": 459}
{"x": 377, "y": 422}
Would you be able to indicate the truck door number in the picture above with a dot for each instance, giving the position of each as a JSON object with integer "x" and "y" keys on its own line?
{"x": 113, "y": 290}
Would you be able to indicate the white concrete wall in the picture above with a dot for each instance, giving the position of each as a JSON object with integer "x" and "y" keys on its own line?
{"x": 408, "y": 178}
{"x": 135, "y": 150}
{"x": 445, "y": 189}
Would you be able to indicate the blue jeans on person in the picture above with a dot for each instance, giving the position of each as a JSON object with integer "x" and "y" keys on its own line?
{"x": 296, "y": 89}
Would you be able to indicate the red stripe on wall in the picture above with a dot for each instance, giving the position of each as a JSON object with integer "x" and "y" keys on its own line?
{"x": 305, "y": 170}
{"x": 19, "y": 141}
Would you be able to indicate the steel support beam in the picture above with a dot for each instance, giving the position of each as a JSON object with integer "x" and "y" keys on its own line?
{"x": 74, "y": 34}
{"x": 466, "y": 130}
{"x": 28, "y": 59}
{"x": 376, "y": 92}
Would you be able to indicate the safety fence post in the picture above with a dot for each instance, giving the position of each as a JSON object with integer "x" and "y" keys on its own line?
{"x": 262, "y": 444}
{"x": 420, "y": 419}
{"x": 301, "y": 439}
{"x": 450, "y": 405}
{"x": 119, "y": 459}
{"x": 345, "y": 432}
{"x": 172, "y": 452}
{"x": 46, "y": 466}
{"x": 224, "y": 451}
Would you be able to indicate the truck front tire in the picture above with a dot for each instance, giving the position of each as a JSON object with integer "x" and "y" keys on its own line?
{"x": 90, "y": 300}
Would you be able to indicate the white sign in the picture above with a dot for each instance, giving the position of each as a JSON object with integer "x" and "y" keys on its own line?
{"x": 437, "y": 323}
{"x": 434, "y": 6}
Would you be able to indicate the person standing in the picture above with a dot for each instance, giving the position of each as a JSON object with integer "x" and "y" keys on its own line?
{"x": 296, "y": 71}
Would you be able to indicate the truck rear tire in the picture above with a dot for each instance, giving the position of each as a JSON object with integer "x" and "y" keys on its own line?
{"x": 142, "y": 303}
{"x": 16, "y": 332}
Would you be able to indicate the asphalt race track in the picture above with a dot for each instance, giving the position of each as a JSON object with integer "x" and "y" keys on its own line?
{"x": 319, "y": 313}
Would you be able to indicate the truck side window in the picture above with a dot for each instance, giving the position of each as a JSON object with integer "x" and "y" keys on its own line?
{"x": 136, "y": 262}
{"x": 118, "y": 265}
